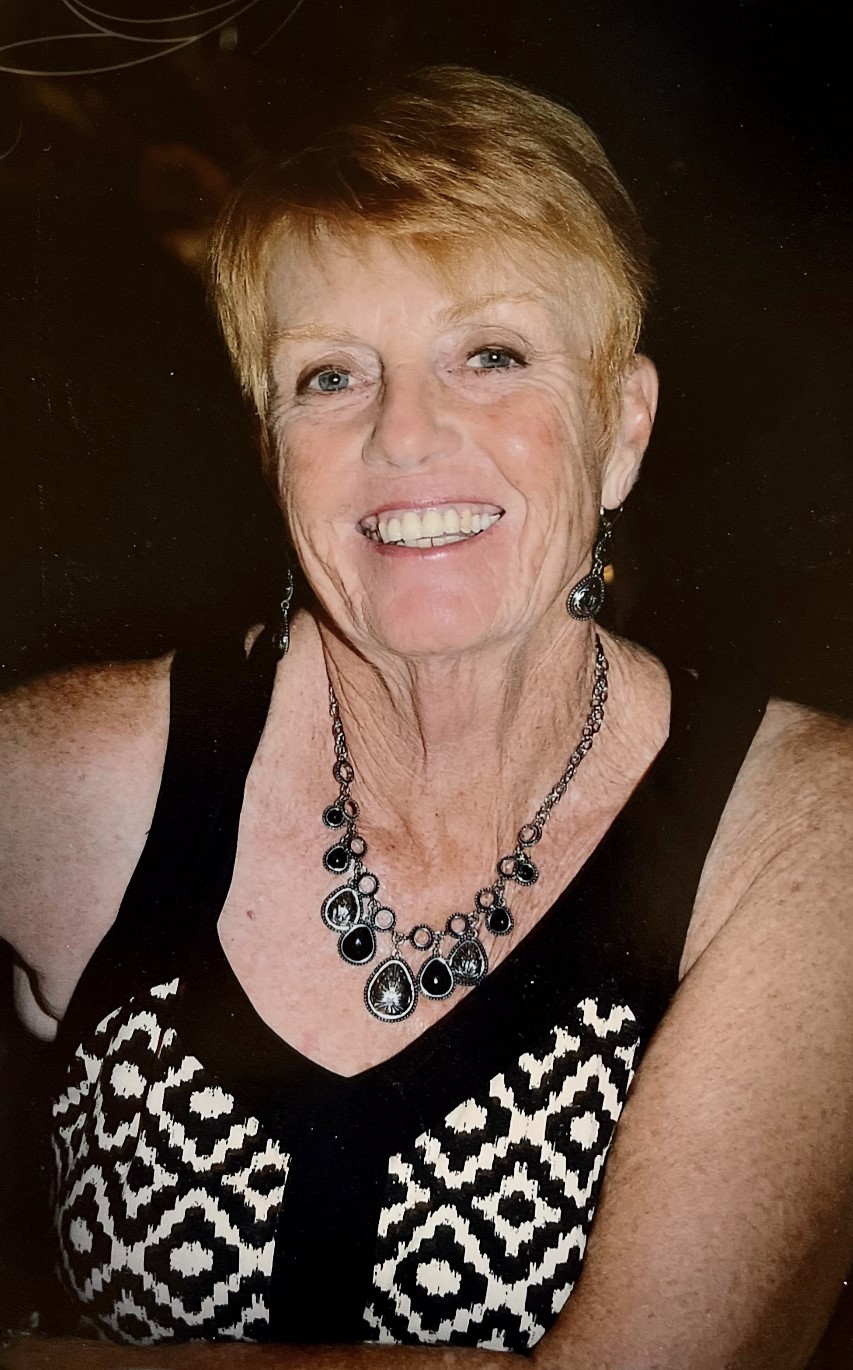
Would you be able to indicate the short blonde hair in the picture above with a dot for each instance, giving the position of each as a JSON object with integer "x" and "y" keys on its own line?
{"x": 446, "y": 161}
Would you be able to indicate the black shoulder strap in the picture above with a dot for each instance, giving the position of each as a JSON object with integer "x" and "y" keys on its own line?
{"x": 218, "y": 706}
{"x": 652, "y": 864}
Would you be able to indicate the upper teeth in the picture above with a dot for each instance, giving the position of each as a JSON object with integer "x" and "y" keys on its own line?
{"x": 429, "y": 527}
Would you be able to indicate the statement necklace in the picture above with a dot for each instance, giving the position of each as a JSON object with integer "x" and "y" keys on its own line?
{"x": 453, "y": 955}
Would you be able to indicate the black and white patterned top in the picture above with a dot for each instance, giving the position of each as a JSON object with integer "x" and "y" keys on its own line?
{"x": 210, "y": 1181}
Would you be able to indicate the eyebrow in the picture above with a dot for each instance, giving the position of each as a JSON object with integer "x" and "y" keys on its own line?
{"x": 454, "y": 314}
{"x": 309, "y": 332}
{"x": 457, "y": 313}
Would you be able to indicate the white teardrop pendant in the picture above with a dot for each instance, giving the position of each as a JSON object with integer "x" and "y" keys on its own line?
{"x": 468, "y": 961}
{"x": 341, "y": 909}
{"x": 391, "y": 993}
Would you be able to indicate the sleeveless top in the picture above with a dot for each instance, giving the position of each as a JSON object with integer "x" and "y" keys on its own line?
{"x": 212, "y": 1182}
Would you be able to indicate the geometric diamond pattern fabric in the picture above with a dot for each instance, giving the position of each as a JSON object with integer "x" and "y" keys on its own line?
{"x": 167, "y": 1195}
{"x": 486, "y": 1218}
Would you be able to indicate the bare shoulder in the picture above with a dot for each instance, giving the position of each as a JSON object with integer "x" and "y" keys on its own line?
{"x": 76, "y": 725}
{"x": 81, "y": 753}
{"x": 788, "y": 824}
{"x": 73, "y": 706}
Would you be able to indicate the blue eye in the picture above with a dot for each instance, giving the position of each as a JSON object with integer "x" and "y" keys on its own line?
{"x": 330, "y": 382}
{"x": 494, "y": 359}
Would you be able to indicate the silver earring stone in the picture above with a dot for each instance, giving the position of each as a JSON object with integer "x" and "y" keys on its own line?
{"x": 586, "y": 598}
{"x": 281, "y": 635}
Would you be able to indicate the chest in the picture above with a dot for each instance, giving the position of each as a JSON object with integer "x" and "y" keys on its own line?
{"x": 288, "y": 959}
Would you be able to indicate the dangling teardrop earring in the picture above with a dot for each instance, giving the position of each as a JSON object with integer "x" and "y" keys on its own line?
{"x": 585, "y": 599}
{"x": 281, "y": 632}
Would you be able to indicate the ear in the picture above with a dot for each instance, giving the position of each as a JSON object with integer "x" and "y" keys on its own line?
{"x": 639, "y": 402}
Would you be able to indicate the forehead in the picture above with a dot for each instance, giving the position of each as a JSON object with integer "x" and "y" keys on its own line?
{"x": 373, "y": 278}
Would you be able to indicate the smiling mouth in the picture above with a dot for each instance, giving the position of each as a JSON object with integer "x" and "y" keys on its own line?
{"x": 435, "y": 527}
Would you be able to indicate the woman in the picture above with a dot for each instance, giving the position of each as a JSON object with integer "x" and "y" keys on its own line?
{"x": 428, "y": 860}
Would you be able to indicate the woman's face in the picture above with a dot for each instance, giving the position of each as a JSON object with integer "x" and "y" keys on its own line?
{"x": 434, "y": 446}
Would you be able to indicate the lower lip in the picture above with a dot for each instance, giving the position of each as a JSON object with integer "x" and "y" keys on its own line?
{"x": 396, "y": 550}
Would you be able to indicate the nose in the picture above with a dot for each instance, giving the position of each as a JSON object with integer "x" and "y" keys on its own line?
{"x": 412, "y": 422}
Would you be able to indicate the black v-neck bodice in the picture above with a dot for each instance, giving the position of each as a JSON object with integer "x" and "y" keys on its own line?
{"x": 210, "y": 1178}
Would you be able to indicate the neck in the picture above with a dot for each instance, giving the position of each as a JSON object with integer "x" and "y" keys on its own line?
{"x": 485, "y": 733}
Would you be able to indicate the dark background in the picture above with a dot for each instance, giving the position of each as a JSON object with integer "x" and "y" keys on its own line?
{"x": 133, "y": 514}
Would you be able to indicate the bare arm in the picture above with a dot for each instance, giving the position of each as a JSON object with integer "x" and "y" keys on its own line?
{"x": 81, "y": 755}
{"x": 724, "y": 1229}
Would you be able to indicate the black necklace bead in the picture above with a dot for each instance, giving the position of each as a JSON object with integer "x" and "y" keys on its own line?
{"x": 358, "y": 946}
{"x": 499, "y": 920}
{"x": 525, "y": 872}
{"x": 334, "y": 816}
{"x": 436, "y": 978}
{"x": 337, "y": 858}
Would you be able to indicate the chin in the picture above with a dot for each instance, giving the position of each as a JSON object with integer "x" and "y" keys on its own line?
{"x": 430, "y": 624}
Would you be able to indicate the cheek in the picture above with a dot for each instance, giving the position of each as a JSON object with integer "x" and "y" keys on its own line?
{"x": 310, "y": 482}
{"x": 541, "y": 452}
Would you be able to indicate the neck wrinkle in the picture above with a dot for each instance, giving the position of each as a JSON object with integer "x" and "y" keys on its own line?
{"x": 468, "y": 742}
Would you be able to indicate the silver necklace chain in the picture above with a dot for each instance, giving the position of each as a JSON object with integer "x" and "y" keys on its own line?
{"x": 357, "y": 916}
